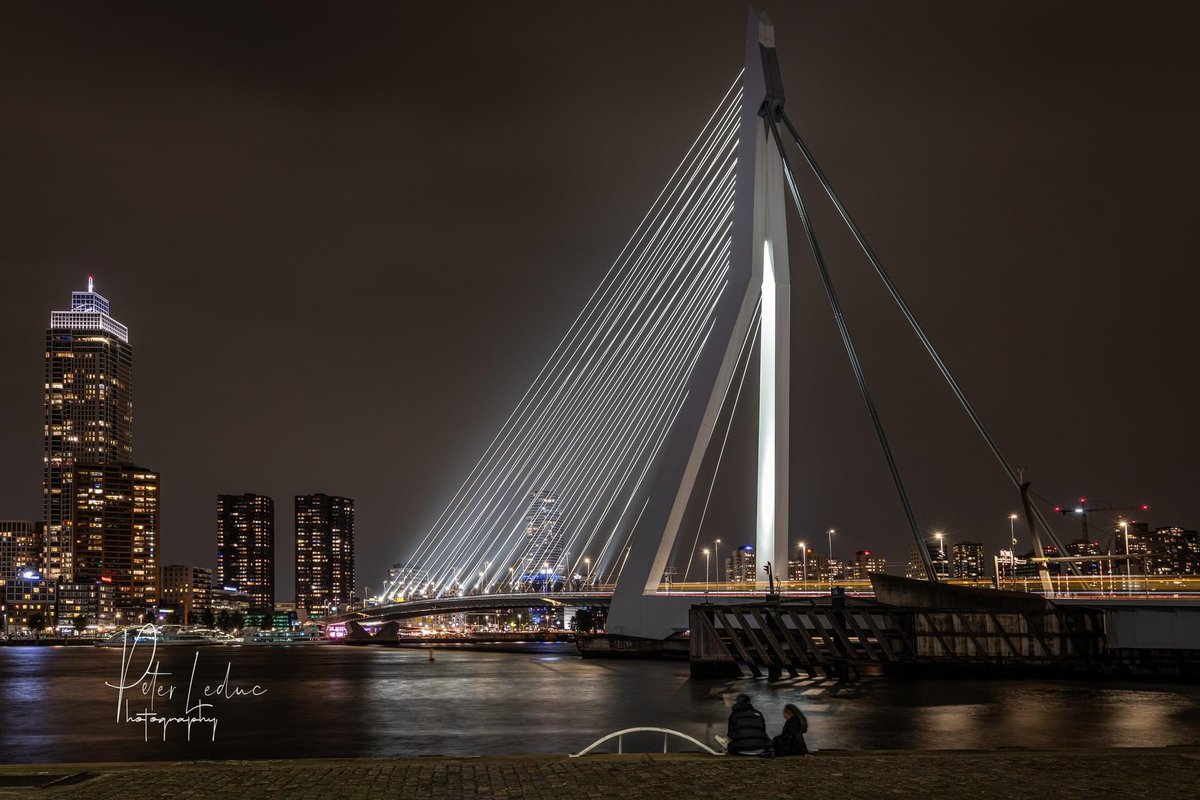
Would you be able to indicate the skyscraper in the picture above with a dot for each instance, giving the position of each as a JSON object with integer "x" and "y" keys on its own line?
{"x": 116, "y": 524}
{"x": 246, "y": 547}
{"x": 324, "y": 553}
{"x": 88, "y": 406}
{"x": 543, "y": 541}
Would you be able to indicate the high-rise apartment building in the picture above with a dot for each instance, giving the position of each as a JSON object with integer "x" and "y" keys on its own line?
{"x": 740, "y": 566}
{"x": 246, "y": 547}
{"x": 543, "y": 554}
{"x": 116, "y": 530}
{"x": 88, "y": 406}
{"x": 20, "y": 547}
{"x": 324, "y": 553}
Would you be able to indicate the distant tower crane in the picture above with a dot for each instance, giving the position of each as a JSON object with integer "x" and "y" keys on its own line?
{"x": 1082, "y": 509}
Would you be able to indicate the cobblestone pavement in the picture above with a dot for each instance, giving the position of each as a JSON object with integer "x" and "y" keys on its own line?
{"x": 1162, "y": 774}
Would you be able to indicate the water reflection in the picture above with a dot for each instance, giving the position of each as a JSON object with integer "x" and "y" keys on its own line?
{"x": 344, "y": 701}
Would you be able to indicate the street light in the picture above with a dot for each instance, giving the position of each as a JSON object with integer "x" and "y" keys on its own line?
{"x": 829, "y": 562}
{"x": 1128, "y": 577}
{"x": 1012, "y": 554}
{"x": 707, "y": 582}
{"x": 803, "y": 565}
{"x": 717, "y": 558}
{"x": 942, "y": 553}
{"x": 588, "y": 568}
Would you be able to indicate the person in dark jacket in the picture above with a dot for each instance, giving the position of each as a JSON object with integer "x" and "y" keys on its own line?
{"x": 791, "y": 741}
{"x": 747, "y": 728}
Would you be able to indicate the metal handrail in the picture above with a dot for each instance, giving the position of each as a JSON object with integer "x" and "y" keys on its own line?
{"x": 666, "y": 732}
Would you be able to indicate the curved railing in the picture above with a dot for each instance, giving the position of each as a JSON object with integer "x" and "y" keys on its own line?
{"x": 666, "y": 732}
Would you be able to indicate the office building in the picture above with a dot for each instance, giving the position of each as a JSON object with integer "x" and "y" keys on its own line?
{"x": 324, "y": 553}
{"x": 116, "y": 527}
{"x": 246, "y": 547}
{"x": 88, "y": 408}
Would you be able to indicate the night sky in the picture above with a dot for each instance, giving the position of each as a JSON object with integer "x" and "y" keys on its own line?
{"x": 345, "y": 237}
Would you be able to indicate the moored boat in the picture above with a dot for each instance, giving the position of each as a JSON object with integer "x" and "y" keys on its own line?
{"x": 166, "y": 636}
{"x": 305, "y": 636}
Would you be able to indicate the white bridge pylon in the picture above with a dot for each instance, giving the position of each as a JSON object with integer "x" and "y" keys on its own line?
{"x": 758, "y": 272}
{"x": 588, "y": 480}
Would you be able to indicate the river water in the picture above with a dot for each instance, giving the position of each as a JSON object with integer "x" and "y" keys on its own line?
{"x": 334, "y": 701}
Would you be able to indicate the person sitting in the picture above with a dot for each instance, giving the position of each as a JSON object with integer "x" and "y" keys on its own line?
{"x": 791, "y": 741}
{"x": 747, "y": 729}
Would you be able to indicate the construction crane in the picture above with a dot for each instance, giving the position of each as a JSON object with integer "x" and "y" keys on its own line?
{"x": 1083, "y": 509}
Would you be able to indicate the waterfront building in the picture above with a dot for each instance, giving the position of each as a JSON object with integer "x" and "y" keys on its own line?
{"x": 541, "y": 561}
{"x": 116, "y": 523}
{"x": 246, "y": 546}
{"x": 324, "y": 553}
{"x": 187, "y": 591}
{"x": 20, "y": 547}
{"x": 90, "y": 601}
{"x": 865, "y": 562}
{"x": 740, "y": 566}
{"x": 967, "y": 560}
{"x": 27, "y": 598}
{"x": 88, "y": 412}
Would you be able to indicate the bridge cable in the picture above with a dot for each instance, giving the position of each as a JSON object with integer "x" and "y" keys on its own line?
{"x": 894, "y": 291}
{"x": 844, "y": 331}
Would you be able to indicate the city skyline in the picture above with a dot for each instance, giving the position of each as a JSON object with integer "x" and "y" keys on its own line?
{"x": 212, "y": 420}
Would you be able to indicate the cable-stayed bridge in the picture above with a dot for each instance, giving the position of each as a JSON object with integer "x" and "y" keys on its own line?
{"x": 589, "y": 480}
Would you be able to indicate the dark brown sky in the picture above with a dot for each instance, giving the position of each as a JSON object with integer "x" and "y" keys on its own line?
{"x": 345, "y": 236}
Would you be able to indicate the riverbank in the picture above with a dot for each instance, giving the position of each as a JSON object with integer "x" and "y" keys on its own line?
{"x": 1161, "y": 773}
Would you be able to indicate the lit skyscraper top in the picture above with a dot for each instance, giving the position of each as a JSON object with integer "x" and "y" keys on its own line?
{"x": 89, "y": 311}
{"x": 88, "y": 405}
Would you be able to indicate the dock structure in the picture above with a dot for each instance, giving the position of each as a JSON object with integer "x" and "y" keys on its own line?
{"x": 922, "y": 628}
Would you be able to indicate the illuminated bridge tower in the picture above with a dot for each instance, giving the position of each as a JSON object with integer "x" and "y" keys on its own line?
{"x": 758, "y": 273}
